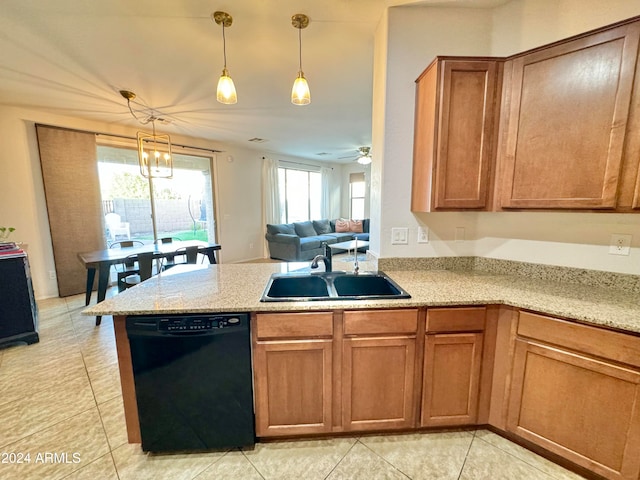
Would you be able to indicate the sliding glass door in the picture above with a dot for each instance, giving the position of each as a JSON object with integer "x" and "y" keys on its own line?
{"x": 183, "y": 205}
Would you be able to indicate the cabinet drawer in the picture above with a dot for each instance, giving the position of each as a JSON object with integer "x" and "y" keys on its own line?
{"x": 466, "y": 319}
{"x": 373, "y": 322}
{"x": 595, "y": 341}
{"x": 291, "y": 325}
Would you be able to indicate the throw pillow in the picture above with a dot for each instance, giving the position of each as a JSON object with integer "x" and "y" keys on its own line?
{"x": 304, "y": 229}
{"x": 285, "y": 228}
{"x": 342, "y": 225}
{"x": 355, "y": 226}
{"x": 322, "y": 226}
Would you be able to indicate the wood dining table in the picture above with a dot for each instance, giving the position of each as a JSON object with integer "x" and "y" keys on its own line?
{"x": 100, "y": 261}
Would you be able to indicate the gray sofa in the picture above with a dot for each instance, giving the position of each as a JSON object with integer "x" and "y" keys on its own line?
{"x": 301, "y": 241}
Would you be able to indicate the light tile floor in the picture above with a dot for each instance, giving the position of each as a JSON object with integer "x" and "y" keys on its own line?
{"x": 61, "y": 404}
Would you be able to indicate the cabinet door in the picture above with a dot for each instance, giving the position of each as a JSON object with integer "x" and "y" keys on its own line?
{"x": 292, "y": 381}
{"x": 583, "y": 409}
{"x": 454, "y": 135}
{"x": 451, "y": 379}
{"x": 377, "y": 383}
{"x": 566, "y": 122}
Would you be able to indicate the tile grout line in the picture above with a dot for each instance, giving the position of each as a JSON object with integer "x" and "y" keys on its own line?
{"x": 521, "y": 459}
{"x": 467, "y": 454}
{"x": 357, "y": 440}
{"x": 383, "y": 459}
{"x": 251, "y": 463}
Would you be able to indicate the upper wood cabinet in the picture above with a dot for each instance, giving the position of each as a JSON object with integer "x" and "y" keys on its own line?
{"x": 457, "y": 103}
{"x": 565, "y": 114}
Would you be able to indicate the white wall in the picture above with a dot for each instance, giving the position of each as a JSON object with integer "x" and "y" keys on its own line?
{"x": 415, "y": 36}
{"x": 22, "y": 201}
{"x": 524, "y": 24}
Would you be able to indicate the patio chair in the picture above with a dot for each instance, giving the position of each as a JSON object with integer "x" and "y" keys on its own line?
{"x": 116, "y": 226}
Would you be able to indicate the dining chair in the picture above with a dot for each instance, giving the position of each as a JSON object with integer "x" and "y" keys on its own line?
{"x": 129, "y": 267}
{"x": 145, "y": 269}
{"x": 167, "y": 261}
{"x": 190, "y": 255}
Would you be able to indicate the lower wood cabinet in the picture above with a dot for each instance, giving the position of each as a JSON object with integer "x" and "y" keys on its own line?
{"x": 451, "y": 378}
{"x": 452, "y": 366}
{"x": 575, "y": 390}
{"x": 292, "y": 367}
{"x": 377, "y": 383}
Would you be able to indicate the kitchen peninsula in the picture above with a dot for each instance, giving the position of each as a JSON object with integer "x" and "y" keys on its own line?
{"x": 470, "y": 347}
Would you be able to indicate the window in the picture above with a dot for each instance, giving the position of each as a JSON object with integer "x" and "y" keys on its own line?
{"x": 300, "y": 195}
{"x": 356, "y": 195}
{"x": 182, "y": 207}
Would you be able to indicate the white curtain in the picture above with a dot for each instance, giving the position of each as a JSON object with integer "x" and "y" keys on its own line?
{"x": 326, "y": 175}
{"x": 270, "y": 191}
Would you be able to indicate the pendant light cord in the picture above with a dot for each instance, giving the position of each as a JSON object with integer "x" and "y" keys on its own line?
{"x": 300, "y": 47}
{"x": 224, "y": 47}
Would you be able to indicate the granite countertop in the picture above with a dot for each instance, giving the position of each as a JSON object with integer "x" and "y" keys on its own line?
{"x": 238, "y": 288}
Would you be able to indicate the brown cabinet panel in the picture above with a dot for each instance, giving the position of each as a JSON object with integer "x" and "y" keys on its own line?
{"x": 376, "y": 322}
{"x": 566, "y": 122}
{"x": 456, "y": 110}
{"x": 459, "y": 319}
{"x": 594, "y": 341}
{"x": 452, "y": 366}
{"x": 583, "y": 409}
{"x": 294, "y": 325}
{"x": 378, "y": 383}
{"x": 293, "y": 387}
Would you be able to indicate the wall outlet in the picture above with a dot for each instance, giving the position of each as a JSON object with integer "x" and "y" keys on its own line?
{"x": 620, "y": 244}
{"x": 423, "y": 235}
{"x": 251, "y": 246}
{"x": 459, "y": 234}
{"x": 399, "y": 236}
{"x": 52, "y": 274}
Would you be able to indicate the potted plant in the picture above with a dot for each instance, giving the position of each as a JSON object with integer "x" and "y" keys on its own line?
{"x": 5, "y": 232}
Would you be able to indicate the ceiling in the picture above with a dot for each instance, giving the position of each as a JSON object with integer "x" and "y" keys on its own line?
{"x": 71, "y": 57}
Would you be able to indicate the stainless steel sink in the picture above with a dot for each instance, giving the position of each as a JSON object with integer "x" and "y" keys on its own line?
{"x": 299, "y": 287}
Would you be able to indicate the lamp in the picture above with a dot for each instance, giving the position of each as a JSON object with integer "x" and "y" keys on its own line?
{"x": 154, "y": 154}
{"x": 300, "y": 94}
{"x": 365, "y": 156}
{"x": 154, "y": 150}
{"x": 226, "y": 92}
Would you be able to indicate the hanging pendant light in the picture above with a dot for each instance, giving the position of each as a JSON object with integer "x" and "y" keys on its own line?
{"x": 154, "y": 154}
{"x": 300, "y": 94}
{"x": 154, "y": 150}
{"x": 226, "y": 92}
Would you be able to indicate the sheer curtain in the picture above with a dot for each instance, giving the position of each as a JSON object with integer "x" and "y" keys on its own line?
{"x": 326, "y": 207}
{"x": 270, "y": 191}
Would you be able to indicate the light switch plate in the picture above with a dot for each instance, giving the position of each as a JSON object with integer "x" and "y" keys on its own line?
{"x": 399, "y": 236}
{"x": 620, "y": 244}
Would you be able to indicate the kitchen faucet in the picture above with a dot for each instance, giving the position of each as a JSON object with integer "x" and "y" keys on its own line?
{"x": 326, "y": 258}
{"x": 356, "y": 268}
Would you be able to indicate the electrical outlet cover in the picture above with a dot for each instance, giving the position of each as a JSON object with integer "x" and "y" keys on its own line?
{"x": 620, "y": 244}
{"x": 423, "y": 235}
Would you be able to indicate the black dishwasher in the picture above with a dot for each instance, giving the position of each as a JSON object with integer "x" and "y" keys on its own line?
{"x": 193, "y": 381}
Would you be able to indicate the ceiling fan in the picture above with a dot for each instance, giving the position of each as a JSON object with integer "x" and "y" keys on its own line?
{"x": 364, "y": 156}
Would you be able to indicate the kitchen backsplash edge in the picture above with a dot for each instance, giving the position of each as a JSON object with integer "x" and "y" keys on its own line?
{"x": 596, "y": 278}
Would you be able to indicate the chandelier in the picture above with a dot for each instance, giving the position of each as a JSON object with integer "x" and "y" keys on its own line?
{"x": 154, "y": 150}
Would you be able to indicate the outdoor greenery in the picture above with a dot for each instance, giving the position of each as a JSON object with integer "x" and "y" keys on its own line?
{"x": 128, "y": 185}
{"x": 181, "y": 234}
